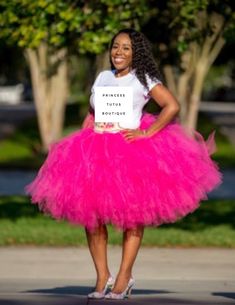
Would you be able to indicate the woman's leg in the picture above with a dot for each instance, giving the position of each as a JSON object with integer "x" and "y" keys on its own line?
{"x": 97, "y": 242}
{"x": 131, "y": 243}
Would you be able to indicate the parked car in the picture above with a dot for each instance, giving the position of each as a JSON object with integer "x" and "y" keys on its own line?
{"x": 11, "y": 95}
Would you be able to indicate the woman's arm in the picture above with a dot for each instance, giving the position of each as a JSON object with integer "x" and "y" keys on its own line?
{"x": 170, "y": 107}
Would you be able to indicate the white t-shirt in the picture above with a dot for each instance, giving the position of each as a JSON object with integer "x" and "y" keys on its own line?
{"x": 140, "y": 93}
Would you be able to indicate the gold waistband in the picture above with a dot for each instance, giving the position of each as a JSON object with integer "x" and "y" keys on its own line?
{"x": 107, "y": 127}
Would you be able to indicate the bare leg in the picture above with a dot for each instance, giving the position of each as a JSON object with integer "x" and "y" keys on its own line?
{"x": 131, "y": 242}
{"x": 97, "y": 242}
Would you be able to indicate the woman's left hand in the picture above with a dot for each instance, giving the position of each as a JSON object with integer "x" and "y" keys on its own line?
{"x": 133, "y": 134}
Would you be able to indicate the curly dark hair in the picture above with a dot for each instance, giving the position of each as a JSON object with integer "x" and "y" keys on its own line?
{"x": 142, "y": 59}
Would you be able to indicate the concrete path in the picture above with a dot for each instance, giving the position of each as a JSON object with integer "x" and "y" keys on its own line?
{"x": 57, "y": 276}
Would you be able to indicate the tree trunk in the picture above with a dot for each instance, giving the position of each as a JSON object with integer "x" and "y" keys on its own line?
{"x": 182, "y": 95}
{"x": 170, "y": 78}
{"x": 50, "y": 91}
{"x": 195, "y": 63}
{"x": 209, "y": 50}
{"x": 195, "y": 96}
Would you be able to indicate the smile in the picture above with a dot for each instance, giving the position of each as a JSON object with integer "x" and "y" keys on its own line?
{"x": 118, "y": 60}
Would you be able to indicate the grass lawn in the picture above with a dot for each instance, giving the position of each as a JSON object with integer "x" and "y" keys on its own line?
{"x": 212, "y": 225}
{"x": 23, "y": 148}
{"x": 225, "y": 153}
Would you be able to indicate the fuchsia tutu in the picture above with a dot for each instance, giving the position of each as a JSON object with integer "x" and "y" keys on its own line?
{"x": 90, "y": 178}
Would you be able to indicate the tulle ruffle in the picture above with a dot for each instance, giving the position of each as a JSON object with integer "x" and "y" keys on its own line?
{"x": 90, "y": 178}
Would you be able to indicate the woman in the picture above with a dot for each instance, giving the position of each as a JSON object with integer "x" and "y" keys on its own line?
{"x": 142, "y": 172}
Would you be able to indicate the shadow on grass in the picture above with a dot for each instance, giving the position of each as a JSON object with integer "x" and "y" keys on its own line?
{"x": 211, "y": 213}
{"x": 14, "y": 207}
{"x": 27, "y": 163}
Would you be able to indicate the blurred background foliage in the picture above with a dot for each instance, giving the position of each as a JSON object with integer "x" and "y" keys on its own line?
{"x": 83, "y": 30}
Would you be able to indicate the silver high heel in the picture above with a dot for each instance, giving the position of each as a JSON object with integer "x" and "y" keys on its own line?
{"x": 125, "y": 294}
{"x": 100, "y": 295}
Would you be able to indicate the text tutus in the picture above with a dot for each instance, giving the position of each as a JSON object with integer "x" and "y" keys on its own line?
{"x": 94, "y": 178}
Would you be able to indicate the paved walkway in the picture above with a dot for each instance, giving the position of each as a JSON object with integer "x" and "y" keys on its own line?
{"x": 35, "y": 276}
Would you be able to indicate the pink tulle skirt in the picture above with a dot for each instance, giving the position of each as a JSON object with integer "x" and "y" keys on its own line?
{"x": 90, "y": 178}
